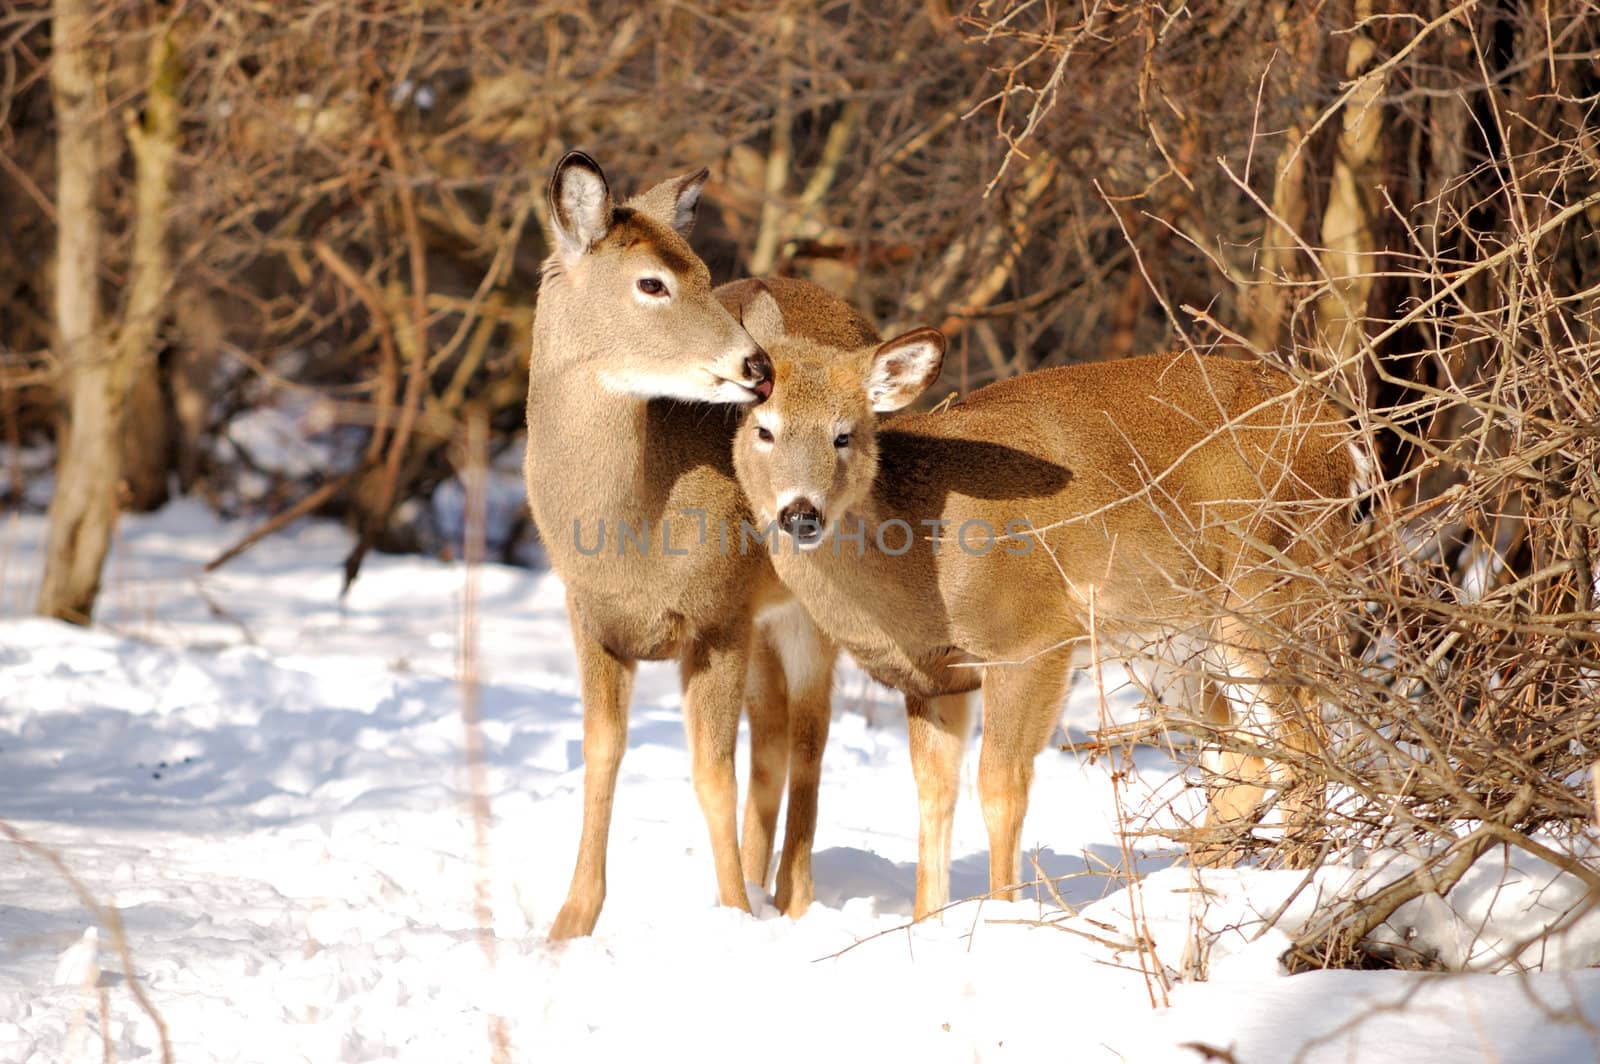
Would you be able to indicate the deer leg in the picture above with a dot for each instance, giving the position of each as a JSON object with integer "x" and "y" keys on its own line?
{"x": 1021, "y": 704}
{"x": 938, "y": 729}
{"x": 1299, "y": 727}
{"x": 766, "y": 704}
{"x": 1271, "y": 712}
{"x": 713, "y": 669}
{"x": 606, "y": 683}
{"x": 1236, "y": 785}
{"x": 808, "y": 659}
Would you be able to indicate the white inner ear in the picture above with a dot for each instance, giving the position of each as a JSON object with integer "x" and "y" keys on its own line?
{"x": 688, "y": 199}
{"x": 900, "y": 376}
{"x": 583, "y": 204}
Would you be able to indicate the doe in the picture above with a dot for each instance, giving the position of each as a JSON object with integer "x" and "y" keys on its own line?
{"x": 1147, "y": 497}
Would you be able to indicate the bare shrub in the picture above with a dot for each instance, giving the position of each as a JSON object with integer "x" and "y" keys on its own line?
{"x": 1425, "y": 239}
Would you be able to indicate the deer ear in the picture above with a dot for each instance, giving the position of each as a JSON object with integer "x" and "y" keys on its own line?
{"x": 580, "y": 204}
{"x": 760, "y": 315}
{"x": 904, "y": 368}
{"x": 674, "y": 201}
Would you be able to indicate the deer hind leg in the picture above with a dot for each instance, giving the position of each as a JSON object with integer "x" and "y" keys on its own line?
{"x": 808, "y": 658}
{"x": 767, "y": 705}
{"x": 938, "y": 729}
{"x": 607, "y": 683}
{"x": 713, "y": 669}
{"x": 1021, "y": 704}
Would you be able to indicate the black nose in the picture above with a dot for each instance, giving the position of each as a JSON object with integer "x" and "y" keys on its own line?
{"x": 758, "y": 367}
{"x": 801, "y": 520}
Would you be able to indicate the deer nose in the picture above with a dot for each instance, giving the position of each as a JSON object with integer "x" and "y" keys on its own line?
{"x": 802, "y": 521}
{"x": 758, "y": 367}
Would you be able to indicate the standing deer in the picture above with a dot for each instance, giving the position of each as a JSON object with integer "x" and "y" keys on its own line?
{"x": 1148, "y": 496}
{"x": 630, "y": 480}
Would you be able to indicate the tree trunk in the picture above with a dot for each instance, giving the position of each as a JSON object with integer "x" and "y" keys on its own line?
{"x": 1349, "y": 239}
{"x": 146, "y": 438}
{"x": 84, "y": 506}
{"x": 1270, "y": 302}
{"x": 99, "y": 375}
{"x": 147, "y": 446}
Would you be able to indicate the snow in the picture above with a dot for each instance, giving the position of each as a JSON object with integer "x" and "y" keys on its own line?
{"x": 268, "y": 786}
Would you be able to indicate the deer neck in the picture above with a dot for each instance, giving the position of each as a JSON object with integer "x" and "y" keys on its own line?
{"x": 587, "y": 443}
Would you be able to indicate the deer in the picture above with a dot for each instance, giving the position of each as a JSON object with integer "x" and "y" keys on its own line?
{"x": 638, "y": 367}
{"x": 986, "y": 544}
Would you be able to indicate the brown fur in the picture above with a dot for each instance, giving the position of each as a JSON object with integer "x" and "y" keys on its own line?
{"x": 600, "y": 448}
{"x": 791, "y": 667}
{"x": 1072, "y": 452}
{"x": 808, "y": 311}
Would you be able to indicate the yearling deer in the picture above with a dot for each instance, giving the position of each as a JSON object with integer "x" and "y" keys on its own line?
{"x": 1144, "y": 497}
{"x": 630, "y": 480}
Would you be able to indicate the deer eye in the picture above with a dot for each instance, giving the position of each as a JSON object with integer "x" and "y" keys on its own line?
{"x": 652, "y": 286}
{"x": 841, "y": 441}
{"x": 763, "y": 434}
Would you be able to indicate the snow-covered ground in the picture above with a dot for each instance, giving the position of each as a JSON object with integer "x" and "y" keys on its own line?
{"x": 269, "y": 787}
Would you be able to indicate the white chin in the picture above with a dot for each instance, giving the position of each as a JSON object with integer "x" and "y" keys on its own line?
{"x": 729, "y": 392}
{"x": 812, "y": 545}
{"x": 664, "y": 386}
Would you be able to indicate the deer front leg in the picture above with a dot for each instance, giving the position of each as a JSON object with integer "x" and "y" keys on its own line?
{"x": 1275, "y": 715}
{"x": 606, "y": 683}
{"x": 1299, "y": 728}
{"x": 1020, "y": 706}
{"x": 1234, "y": 789}
{"x": 808, "y": 659}
{"x": 766, "y": 703}
{"x": 713, "y": 669}
{"x": 938, "y": 729}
